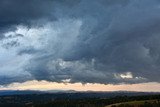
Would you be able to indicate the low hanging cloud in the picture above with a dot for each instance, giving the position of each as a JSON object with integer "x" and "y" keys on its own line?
{"x": 87, "y": 41}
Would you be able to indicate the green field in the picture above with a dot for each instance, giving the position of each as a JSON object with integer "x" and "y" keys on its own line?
{"x": 144, "y": 103}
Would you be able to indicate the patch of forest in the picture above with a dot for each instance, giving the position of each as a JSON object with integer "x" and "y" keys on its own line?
{"x": 47, "y": 100}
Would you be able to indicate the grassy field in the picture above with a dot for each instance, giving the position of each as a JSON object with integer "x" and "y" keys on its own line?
{"x": 137, "y": 103}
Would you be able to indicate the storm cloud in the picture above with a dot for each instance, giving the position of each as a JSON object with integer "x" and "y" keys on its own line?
{"x": 87, "y": 41}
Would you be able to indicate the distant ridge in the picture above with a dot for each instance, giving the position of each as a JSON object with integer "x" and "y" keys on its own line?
{"x": 86, "y": 93}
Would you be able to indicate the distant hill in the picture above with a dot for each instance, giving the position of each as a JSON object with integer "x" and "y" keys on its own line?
{"x": 24, "y": 92}
{"x": 73, "y": 93}
{"x": 18, "y": 92}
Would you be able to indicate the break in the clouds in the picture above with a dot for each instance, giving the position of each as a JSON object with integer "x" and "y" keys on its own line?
{"x": 87, "y": 41}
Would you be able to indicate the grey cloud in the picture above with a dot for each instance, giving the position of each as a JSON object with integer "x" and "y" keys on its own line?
{"x": 28, "y": 50}
{"x": 22, "y": 12}
{"x": 98, "y": 41}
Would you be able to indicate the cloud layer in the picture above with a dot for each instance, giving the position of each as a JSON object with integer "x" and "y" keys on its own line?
{"x": 87, "y": 41}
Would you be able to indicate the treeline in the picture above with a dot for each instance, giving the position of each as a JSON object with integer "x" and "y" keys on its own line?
{"x": 43, "y": 101}
{"x": 97, "y": 102}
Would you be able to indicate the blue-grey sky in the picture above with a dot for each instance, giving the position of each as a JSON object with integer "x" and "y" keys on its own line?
{"x": 86, "y": 41}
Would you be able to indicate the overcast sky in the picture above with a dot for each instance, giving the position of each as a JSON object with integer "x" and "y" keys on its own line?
{"x": 80, "y": 41}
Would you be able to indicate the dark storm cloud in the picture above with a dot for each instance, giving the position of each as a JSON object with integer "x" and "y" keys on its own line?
{"x": 20, "y": 11}
{"x": 95, "y": 41}
{"x": 14, "y": 12}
